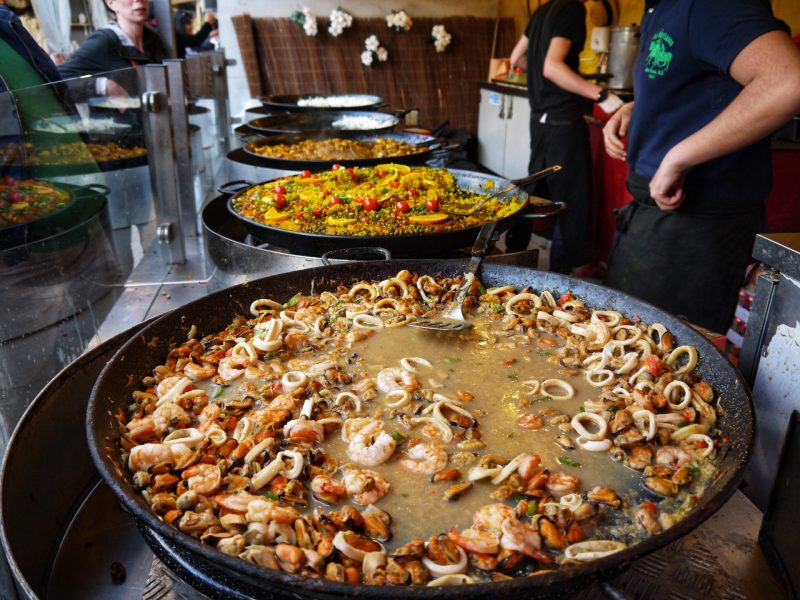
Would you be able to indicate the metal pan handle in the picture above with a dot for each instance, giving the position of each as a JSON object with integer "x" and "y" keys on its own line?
{"x": 556, "y": 208}
{"x": 356, "y": 254}
{"x": 92, "y": 189}
{"x": 229, "y": 188}
{"x": 446, "y": 148}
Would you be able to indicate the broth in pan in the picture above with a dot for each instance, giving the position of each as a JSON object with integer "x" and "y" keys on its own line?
{"x": 321, "y": 436}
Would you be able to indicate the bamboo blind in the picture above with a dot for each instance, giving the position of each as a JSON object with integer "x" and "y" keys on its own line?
{"x": 443, "y": 86}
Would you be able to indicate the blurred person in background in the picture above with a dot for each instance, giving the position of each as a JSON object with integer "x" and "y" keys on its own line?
{"x": 127, "y": 41}
{"x": 559, "y": 97}
{"x": 186, "y": 38}
{"x": 707, "y": 97}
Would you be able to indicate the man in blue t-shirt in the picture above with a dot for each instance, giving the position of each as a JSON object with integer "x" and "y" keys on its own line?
{"x": 559, "y": 96}
{"x": 712, "y": 81}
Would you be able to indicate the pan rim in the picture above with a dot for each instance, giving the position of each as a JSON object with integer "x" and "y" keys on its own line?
{"x": 706, "y": 507}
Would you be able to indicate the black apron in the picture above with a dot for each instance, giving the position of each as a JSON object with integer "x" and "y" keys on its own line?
{"x": 688, "y": 264}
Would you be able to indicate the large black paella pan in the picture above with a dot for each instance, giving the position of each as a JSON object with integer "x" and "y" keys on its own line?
{"x": 136, "y": 359}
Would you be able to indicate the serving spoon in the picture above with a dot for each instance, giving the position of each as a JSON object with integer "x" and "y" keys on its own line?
{"x": 453, "y": 319}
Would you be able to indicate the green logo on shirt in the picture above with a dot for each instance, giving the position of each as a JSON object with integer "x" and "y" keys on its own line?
{"x": 658, "y": 55}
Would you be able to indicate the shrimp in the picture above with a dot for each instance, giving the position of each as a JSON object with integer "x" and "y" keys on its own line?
{"x": 425, "y": 458}
{"x": 284, "y": 402}
{"x": 562, "y": 483}
{"x": 326, "y": 488}
{"x": 672, "y": 457}
{"x": 202, "y": 478}
{"x": 195, "y": 372}
{"x": 165, "y": 416}
{"x": 236, "y": 503}
{"x": 490, "y": 517}
{"x": 147, "y": 456}
{"x": 267, "y": 511}
{"x": 304, "y": 430}
{"x": 519, "y": 537}
{"x": 371, "y": 445}
{"x": 476, "y": 540}
{"x": 528, "y": 463}
{"x": 365, "y": 487}
{"x": 393, "y": 379}
{"x": 230, "y": 368}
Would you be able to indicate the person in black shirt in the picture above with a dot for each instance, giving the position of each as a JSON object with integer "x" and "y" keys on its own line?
{"x": 185, "y": 39}
{"x": 559, "y": 96}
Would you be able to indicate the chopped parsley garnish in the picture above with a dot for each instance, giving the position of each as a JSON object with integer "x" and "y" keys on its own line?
{"x": 218, "y": 391}
{"x": 511, "y": 435}
{"x": 397, "y": 436}
{"x": 272, "y": 496}
{"x": 693, "y": 470}
{"x": 570, "y": 462}
{"x": 513, "y": 376}
{"x": 292, "y": 301}
{"x": 612, "y": 409}
{"x": 544, "y": 353}
{"x": 532, "y": 508}
{"x": 481, "y": 289}
{"x": 450, "y": 360}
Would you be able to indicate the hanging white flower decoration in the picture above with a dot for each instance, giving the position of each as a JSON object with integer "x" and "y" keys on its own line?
{"x": 373, "y": 50}
{"x": 307, "y": 19}
{"x": 441, "y": 39}
{"x": 340, "y": 20}
{"x": 372, "y": 43}
{"x": 398, "y": 20}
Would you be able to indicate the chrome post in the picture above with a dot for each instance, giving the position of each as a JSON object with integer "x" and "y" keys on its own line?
{"x": 176, "y": 76}
{"x": 222, "y": 111}
{"x": 162, "y": 163}
{"x": 162, "y": 11}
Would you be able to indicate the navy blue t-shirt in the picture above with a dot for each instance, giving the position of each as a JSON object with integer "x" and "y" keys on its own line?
{"x": 681, "y": 83}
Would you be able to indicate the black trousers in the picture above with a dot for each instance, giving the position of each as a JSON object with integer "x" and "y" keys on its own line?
{"x": 565, "y": 144}
{"x": 687, "y": 264}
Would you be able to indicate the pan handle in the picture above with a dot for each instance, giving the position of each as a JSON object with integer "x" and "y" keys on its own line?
{"x": 446, "y": 148}
{"x": 556, "y": 208}
{"x": 92, "y": 189}
{"x": 356, "y": 254}
{"x": 229, "y": 188}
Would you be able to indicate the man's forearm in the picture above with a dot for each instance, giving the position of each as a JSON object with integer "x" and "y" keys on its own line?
{"x": 567, "y": 79}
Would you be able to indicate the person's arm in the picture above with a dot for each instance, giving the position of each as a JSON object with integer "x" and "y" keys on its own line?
{"x": 557, "y": 70}
{"x": 519, "y": 55}
{"x": 769, "y": 69}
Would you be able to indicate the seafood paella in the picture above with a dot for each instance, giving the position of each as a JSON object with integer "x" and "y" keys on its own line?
{"x": 385, "y": 200}
{"x": 23, "y": 200}
{"x": 311, "y": 435}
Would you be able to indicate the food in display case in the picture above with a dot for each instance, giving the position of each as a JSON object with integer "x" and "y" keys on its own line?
{"x": 389, "y": 199}
{"x": 29, "y": 199}
{"x": 321, "y": 436}
{"x": 339, "y": 149}
{"x": 68, "y": 153}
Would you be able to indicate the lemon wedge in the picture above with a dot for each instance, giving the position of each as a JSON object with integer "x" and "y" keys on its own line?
{"x": 274, "y": 216}
{"x": 395, "y": 167}
{"x": 429, "y": 219}
{"x": 341, "y": 221}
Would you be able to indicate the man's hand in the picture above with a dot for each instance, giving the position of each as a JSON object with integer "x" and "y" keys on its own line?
{"x": 115, "y": 89}
{"x": 211, "y": 18}
{"x": 611, "y": 104}
{"x": 666, "y": 187}
{"x": 615, "y": 130}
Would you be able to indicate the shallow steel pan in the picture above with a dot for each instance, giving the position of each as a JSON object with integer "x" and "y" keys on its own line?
{"x": 213, "y": 313}
{"x": 290, "y": 102}
{"x": 321, "y": 121}
{"x": 426, "y": 145}
{"x": 400, "y": 246}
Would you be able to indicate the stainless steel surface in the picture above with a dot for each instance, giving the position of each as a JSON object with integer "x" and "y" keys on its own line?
{"x": 772, "y": 356}
{"x": 623, "y": 47}
{"x": 162, "y": 11}
{"x": 163, "y": 167}
{"x": 176, "y": 78}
